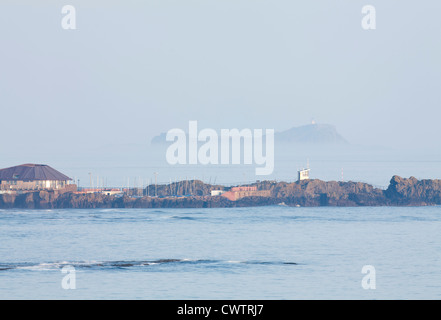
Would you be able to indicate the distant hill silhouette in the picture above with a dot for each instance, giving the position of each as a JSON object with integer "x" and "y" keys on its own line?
{"x": 159, "y": 139}
{"x": 307, "y": 134}
{"x": 311, "y": 134}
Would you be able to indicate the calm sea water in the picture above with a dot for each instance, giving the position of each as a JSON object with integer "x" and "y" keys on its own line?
{"x": 245, "y": 253}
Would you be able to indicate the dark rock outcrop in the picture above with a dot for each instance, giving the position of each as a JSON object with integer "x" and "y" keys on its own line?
{"x": 401, "y": 192}
{"x": 413, "y": 192}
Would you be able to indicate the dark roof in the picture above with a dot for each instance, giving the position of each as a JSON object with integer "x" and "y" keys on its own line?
{"x": 27, "y": 172}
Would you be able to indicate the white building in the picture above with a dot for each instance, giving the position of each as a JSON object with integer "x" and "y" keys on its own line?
{"x": 216, "y": 192}
{"x": 303, "y": 174}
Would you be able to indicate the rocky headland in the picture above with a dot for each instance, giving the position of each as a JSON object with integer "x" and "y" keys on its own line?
{"x": 307, "y": 193}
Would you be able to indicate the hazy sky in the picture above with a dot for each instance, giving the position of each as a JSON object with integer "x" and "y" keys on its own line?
{"x": 133, "y": 69}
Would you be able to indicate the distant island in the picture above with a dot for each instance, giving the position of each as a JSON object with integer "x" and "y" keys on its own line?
{"x": 311, "y": 134}
{"x": 305, "y": 193}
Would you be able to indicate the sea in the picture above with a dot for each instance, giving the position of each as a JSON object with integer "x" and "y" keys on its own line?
{"x": 272, "y": 253}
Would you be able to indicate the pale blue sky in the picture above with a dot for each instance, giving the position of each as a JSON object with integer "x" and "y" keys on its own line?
{"x": 133, "y": 69}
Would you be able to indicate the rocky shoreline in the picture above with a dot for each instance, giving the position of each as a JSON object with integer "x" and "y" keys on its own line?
{"x": 307, "y": 193}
